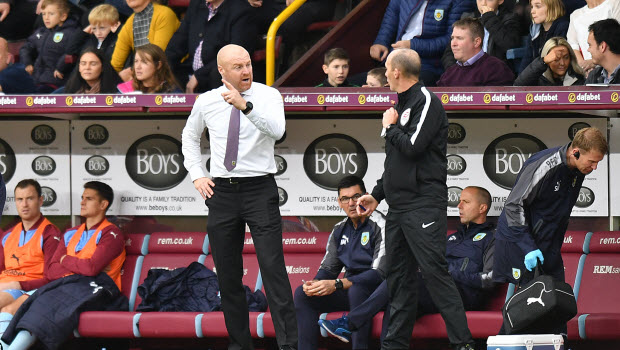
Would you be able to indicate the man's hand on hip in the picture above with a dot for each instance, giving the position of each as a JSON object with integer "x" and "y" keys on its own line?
{"x": 233, "y": 97}
{"x": 204, "y": 186}
{"x": 366, "y": 204}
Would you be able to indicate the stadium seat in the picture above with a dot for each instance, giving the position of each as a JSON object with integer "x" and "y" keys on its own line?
{"x": 295, "y": 242}
{"x": 212, "y": 324}
{"x": 597, "y": 302}
{"x": 168, "y": 250}
{"x": 299, "y": 267}
{"x": 103, "y": 324}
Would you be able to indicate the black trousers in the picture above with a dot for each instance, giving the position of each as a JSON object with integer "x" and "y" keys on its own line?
{"x": 19, "y": 24}
{"x": 417, "y": 239}
{"x": 253, "y": 201}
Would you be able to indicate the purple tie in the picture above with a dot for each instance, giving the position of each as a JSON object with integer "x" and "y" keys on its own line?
{"x": 232, "y": 143}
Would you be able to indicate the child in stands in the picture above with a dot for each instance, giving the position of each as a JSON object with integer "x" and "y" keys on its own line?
{"x": 548, "y": 21}
{"x": 336, "y": 66}
{"x": 100, "y": 34}
{"x": 376, "y": 78}
{"x": 43, "y": 54}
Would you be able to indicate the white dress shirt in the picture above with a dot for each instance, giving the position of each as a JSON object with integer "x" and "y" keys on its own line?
{"x": 258, "y": 132}
{"x": 581, "y": 19}
{"x": 414, "y": 27}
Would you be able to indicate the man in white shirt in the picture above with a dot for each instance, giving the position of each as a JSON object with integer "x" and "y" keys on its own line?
{"x": 242, "y": 191}
{"x": 580, "y": 20}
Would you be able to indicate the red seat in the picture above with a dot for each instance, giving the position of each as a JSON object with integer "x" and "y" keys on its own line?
{"x": 171, "y": 250}
{"x": 212, "y": 324}
{"x": 109, "y": 324}
{"x": 105, "y": 324}
{"x": 250, "y": 269}
{"x": 178, "y": 3}
{"x": 598, "y": 290}
{"x": 295, "y": 242}
{"x": 482, "y": 324}
{"x": 178, "y": 242}
{"x": 576, "y": 242}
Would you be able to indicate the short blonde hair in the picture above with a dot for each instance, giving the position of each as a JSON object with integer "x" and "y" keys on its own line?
{"x": 103, "y": 13}
{"x": 555, "y": 9}
{"x": 560, "y": 41}
{"x": 589, "y": 139}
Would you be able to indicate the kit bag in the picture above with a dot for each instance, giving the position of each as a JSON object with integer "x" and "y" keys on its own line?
{"x": 542, "y": 304}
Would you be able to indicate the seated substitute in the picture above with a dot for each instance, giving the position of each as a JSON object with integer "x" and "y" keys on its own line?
{"x": 357, "y": 244}
{"x": 27, "y": 250}
{"x": 604, "y": 46}
{"x": 86, "y": 276}
{"x": 469, "y": 253}
{"x": 336, "y": 66}
{"x": 473, "y": 67}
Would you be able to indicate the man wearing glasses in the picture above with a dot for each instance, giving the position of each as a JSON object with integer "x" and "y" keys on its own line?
{"x": 355, "y": 244}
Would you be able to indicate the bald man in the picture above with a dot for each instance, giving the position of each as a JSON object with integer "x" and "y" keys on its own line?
{"x": 13, "y": 76}
{"x": 415, "y": 132}
{"x": 244, "y": 120}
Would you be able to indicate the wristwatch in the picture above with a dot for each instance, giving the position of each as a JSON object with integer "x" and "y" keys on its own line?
{"x": 338, "y": 283}
{"x": 248, "y": 108}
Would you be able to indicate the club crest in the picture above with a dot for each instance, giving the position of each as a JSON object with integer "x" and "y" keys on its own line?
{"x": 438, "y": 15}
{"x": 365, "y": 238}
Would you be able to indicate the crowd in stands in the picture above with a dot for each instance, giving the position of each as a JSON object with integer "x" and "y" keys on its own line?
{"x": 141, "y": 46}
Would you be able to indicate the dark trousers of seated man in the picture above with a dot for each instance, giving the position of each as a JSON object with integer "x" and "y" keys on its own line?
{"x": 310, "y": 308}
{"x": 255, "y": 202}
{"x": 380, "y": 298}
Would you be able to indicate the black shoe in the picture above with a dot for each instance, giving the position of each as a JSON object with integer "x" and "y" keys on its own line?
{"x": 464, "y": 347}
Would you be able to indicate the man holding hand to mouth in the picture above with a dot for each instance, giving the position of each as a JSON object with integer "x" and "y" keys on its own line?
{"x": 244, "y": 120}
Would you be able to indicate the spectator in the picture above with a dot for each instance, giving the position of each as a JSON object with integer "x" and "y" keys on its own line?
{"x": 150, "y": 23}
{"x": 13, "y": 76}
{"x": 501, "y": 30}
{"x": 100, "y": 34}
{"x": 473, "y": 66}
{"x": 27, "y": 250}
{"x": 557, "y": 66}
{"x": 336, "y": 66}
{"x": 151, "y": 73}
{"x": 469, "y": 254}
{"x": 357, "y": 245}
{"x": 205, "y": 29}
{"x": 580, "y": 21}
{"x": 94, "y": 75}
{"x": 548, "y": 21}
{"x": 376, "y": 78}
{"x": 44, "y": 52}
{"x": 85, "y": 272}
{"x": 604, "y": 46}
{"x": 402, "y": 27}
{"x": 17, "y": 18}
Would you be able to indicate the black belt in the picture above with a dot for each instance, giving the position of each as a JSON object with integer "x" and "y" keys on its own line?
{"x": 240, "y": 180}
